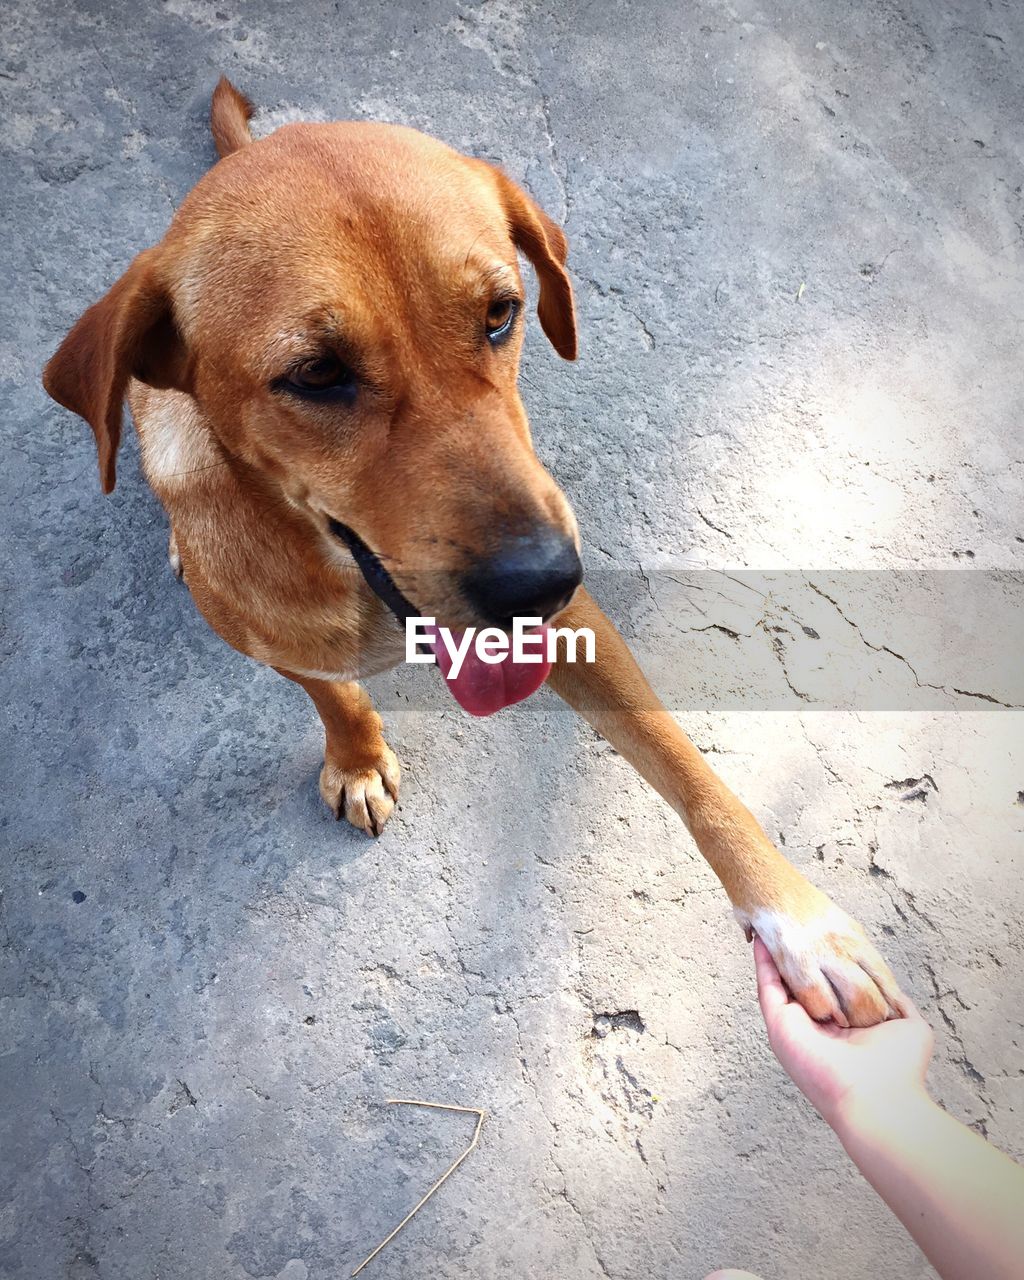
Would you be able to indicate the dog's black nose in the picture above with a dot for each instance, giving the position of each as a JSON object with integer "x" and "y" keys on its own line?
{"x": 531, "y": 576}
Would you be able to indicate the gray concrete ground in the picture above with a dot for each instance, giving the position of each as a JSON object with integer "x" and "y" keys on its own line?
{"x": 209, "y": 988}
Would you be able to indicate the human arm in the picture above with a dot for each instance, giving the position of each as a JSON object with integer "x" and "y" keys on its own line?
{"x": 960, "y": 1198}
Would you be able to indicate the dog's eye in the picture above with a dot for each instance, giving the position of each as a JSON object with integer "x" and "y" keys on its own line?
{"x": 323, "y": 378}
{"x": 501, "y": 316}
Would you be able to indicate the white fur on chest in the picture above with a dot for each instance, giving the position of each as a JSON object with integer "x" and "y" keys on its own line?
{"x": 175, "y": 441}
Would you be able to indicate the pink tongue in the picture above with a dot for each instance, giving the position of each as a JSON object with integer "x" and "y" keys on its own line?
{"x": 481, "y": 688}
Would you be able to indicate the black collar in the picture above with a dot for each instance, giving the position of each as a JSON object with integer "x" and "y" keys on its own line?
{"x": 377, "y": 577}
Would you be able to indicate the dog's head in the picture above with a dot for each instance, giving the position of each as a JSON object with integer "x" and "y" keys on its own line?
{"x": 344, "y": 303}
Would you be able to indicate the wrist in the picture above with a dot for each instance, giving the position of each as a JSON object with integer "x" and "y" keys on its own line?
{"x": 879, "y": 1109}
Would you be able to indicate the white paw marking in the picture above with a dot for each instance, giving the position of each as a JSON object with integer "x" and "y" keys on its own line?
{"x": 803, "y": 947}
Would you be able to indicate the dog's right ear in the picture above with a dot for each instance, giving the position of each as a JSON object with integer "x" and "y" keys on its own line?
{"x": 129, "y": 333}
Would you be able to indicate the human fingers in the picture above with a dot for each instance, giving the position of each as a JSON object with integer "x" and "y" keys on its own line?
{"x": 771, "y": 992}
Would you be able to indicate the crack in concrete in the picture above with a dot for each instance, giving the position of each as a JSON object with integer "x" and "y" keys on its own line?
{"x": 910, "y": 898}
{"x": 779, "y": 649}
{"x": 711, "y": 525}
{"x": 558, "y": 168}
{"x": 617, "y": 297}
{"x": 963, "y": 1061}
{"x": 913, "y": 788}
{"x": 773, "y": 633}
{"x": 921, "y": 684}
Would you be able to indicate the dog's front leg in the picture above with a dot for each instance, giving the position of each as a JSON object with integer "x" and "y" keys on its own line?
{"x": 360, "y": 774}
{"x": 823, "y": 955}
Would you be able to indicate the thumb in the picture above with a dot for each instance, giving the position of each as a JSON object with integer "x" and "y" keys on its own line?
{"x": 771, "y": 993}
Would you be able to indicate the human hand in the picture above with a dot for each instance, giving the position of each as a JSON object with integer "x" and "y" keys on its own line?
{"x": 837, "y": 1068}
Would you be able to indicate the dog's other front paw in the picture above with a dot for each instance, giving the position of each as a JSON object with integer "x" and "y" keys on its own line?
{"x": 827, "y": 961}
{"x": 365, "y": 792}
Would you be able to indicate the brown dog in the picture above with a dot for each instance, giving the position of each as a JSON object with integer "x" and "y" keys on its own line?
{"x": 321, "y": 359}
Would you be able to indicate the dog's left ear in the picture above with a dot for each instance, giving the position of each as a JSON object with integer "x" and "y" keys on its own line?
{"x": 129, "y": 333}
{"x": 544, "y": 243}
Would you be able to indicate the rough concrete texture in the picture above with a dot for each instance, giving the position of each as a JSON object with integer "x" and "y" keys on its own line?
{"x": 209, "y": 987}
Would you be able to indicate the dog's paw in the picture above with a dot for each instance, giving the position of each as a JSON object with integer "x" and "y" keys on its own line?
{"x": 364, "y": 793}
{"x": 828, "y": 964}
